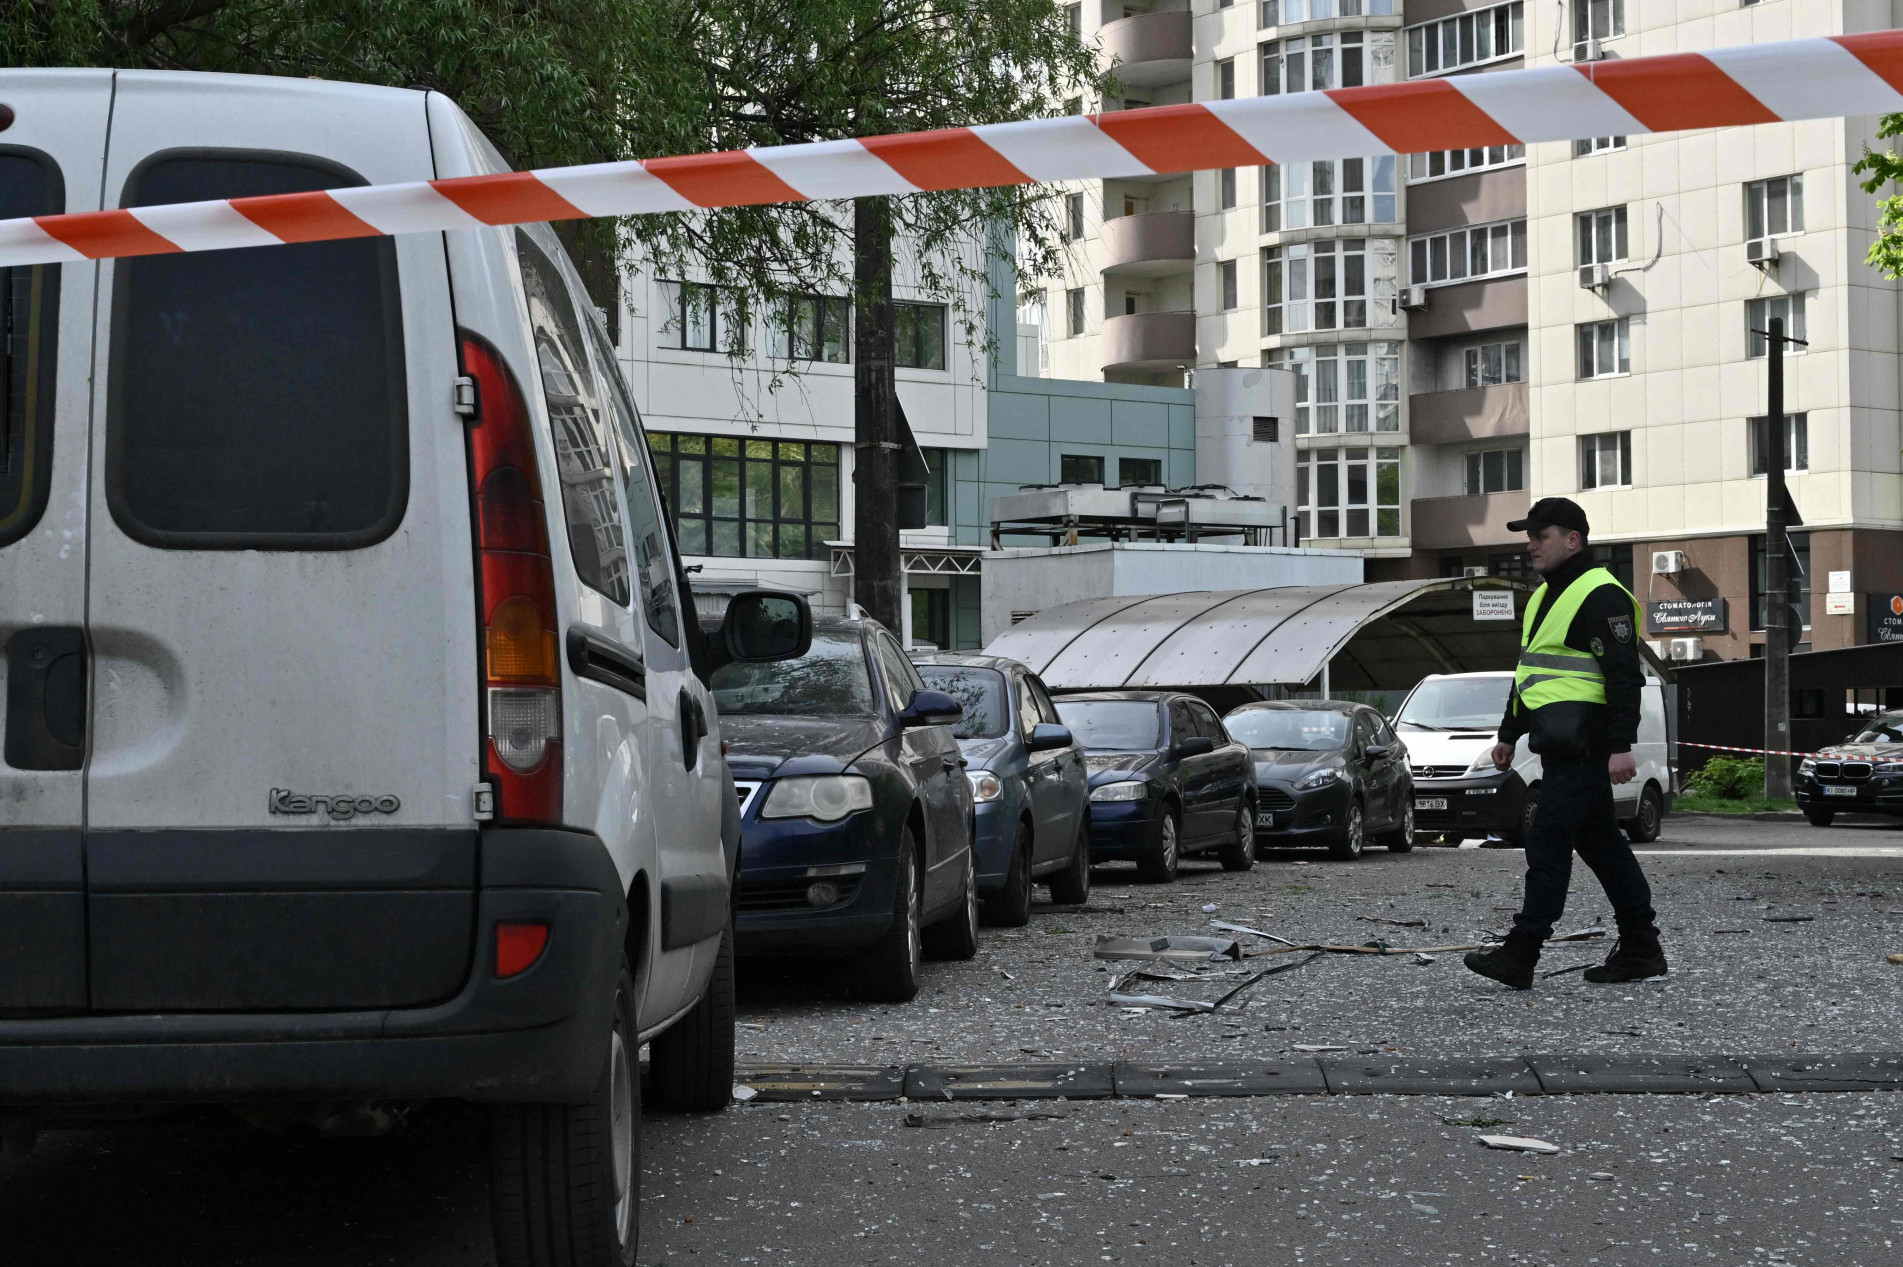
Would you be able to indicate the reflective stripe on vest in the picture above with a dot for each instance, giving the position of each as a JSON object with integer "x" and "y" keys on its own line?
{"x": 1549, "y": 671}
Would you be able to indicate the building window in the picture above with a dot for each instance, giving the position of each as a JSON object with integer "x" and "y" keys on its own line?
{"x": 1080, "y": 468}
{"x": 1597, "y": 145}
{"x": 1074, "y": 310}
{"x": 1226, "y": 284}
{"x": 1074, "y": 19}
{"x": 1605, "y": 460}
{"x": 1467, "y": 253}
{"x": 1345, "y": 387}
{"x": 813, "y": 328}
{"x": 760, "y": 499}
{"x": 1758, "y": 315}
{"x": 1797, "y": 565}
{"x": 1313, "y": 62}
{"x": 1601, "y": 236}
{"x": 1316, "y": 286}
{"x": 1226, "y": 189}
{"x": 1495, "y": 471}
{"x": 1493, "y": 363}
{"x": 1074, "y": 216}
{"x": 1132, "y": 471}
{"x": 1349, "y": 492}
{"x": 1073, "y": 105}
{"x": 1796, "y": 443}
{"x": 1433, "y": 48}
{"x": 1773, "y": 208}
{"x": 1279, "y": 12}
{"x": 702, "y": 318}
{"x": 1516, "y": 566}
{"x": 1616, "y": 559}
{"x": 1266, "y": 430}
{"x": 1329, "y": 191}
{"x": 918, "y": 336}
{"x": 1226, "y": 79}
{"x": 1605, "y": 348}
{"x": 1595, "y": 20}
{"x": 1440, "y": 164}
{"x": 937, "y": 463}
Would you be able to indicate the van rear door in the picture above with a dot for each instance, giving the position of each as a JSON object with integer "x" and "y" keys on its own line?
{"x": 285, "y": 743}
{"x": 49, "y": 162}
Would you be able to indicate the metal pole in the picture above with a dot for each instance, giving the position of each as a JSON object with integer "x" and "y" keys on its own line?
{"x": 1777, "y": 579}
{"x": 1326, "y": 665}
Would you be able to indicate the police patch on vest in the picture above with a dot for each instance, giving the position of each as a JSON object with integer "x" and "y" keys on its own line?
{"x": 1621, "y": 627}
{"x": 1598, "y": 647}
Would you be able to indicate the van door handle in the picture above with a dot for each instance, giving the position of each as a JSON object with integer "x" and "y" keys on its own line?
{"x": 46, "y": 698}
{"x": 600, "y": 660}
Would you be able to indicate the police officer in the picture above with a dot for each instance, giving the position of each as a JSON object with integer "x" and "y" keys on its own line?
{"x": 1576, "y": 698}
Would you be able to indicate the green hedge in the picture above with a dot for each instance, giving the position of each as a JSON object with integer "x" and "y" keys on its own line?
{"x": 1729, "y": 778}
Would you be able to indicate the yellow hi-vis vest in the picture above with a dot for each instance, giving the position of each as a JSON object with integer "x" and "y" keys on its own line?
{"x": 1549, "y": 671}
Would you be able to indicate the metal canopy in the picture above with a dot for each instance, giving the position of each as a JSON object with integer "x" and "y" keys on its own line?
{"x": 1383, "y": 635}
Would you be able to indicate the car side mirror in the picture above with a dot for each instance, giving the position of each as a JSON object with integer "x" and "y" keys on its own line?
{"x": 931, "y": 708}
{"x": 1195, "y": 746}
{"x": 1046, "y": 736}
{"x": 1374, "y": 752}
{"x": 764, "y": 625}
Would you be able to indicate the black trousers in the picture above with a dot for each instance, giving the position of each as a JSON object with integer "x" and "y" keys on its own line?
{"x": 1575, "y": 813}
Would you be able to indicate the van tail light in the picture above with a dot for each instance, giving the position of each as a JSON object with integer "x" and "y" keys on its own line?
{"x": 518, "y": 946}
{"x": 515, "y": 580}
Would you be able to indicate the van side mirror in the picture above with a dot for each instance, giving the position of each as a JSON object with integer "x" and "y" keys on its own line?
{"x": 1195, "y": 746}
{"x": 1047, "y": 735}
{"x": 763, "y": 625}
{"x": 931, "y": 708}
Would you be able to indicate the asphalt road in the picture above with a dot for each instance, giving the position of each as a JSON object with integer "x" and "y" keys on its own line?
{"x": 1745, "y": 1179}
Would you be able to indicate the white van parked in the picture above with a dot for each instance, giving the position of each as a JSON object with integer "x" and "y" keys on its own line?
{"x": 1449, "y": 723}
{"x": 358, "y": 743}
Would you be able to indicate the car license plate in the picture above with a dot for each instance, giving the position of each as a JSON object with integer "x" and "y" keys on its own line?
{"x": 1265, "y": 820}
{"x": 1430, "y": 802}
{"x": 1831, "y": 789}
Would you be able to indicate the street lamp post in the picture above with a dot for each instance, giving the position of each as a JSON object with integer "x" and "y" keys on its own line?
{"x": 1779, "y": 518}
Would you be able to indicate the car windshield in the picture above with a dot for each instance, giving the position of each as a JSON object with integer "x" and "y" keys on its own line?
{"x": 1887, "y": 729}
{"x": 1317, "y": 730}
{"x": 830, "y": 680}
{"x": 1468, "y": 703}
{"x": 1118, "y": 725}
{"x": 981, "y": 691}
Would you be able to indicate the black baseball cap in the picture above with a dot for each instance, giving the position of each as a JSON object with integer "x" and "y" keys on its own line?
{"x": 1553, "y": 512}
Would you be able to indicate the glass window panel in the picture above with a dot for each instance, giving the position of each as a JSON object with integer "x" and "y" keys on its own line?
{"x": 793, "y": 494}
{"x": 759, "y": 539}
{"x": 759, "y": 504}
{"x": 727, "y": 538}
{"x": 793, "y": 541}
{"x": 721, "y": 446}
{"x": 691, "y": 496}
{"x": 726, "y": 489}
{"x": 693, "y": 535}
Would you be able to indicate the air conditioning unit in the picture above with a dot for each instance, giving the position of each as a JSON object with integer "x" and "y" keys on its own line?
{"x": 1473, "y": 571}
{"x": 1668, "y": 562}
{"x": 1660, "y": 647}
{"x": 1762, "y": 251}
{"x": 1414, "y": 297}
{"x": 1589, "y": 51}
{"x": 1685, "y": 650}
{"x": 1595, "y": 276}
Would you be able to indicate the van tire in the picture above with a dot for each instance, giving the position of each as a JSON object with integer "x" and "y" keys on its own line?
{"x": 956, "y": 935}
{"x": 565, "y": 1179}
{"x": 887, "y": 971}
{"x": 1515, "y": 836}
{"x": 690, "y": 1064}
{"x": 1644, "y": 827}
{"x": 1010, "y": 907}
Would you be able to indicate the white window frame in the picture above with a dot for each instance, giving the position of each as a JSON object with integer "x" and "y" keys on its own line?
{"x": 1284, "y": 12}
{"x": 1618, "y": 330}
{"x": 1596, "y": 20}
{"x": 1075, "y": 222}
{"x": 1334, "y": 60}
{"x": 1076, "y": 315}
{"x": 1475, "y": 478}
{"x": 1228, "y": 285}
{"x": 1508, "y": 355}
{"x": 1757, "y": 201}
{"x": 1593, "y": 452}
{"x": 1600, "y": 237}
{"x": 1345, "y": 388}
{"x": 1446, "y": 164}
{"x": 1598, "y": 145}
{"x": 1796, "y": 443}
{"x": 1423, "y": 252}
{"x": 1294, "y": 277}
{"x": 1457, "y": 42}
{"x": 1226, "y": 189}
{"x": 1330, "y": 191}
{"x": 1226, "y": 79}
{"x": 1757, "y": 316}
{"x": 1324, "y": 482}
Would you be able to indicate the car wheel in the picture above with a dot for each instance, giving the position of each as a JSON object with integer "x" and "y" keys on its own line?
{"x": 1159, "y": 865}
{"x": 1011, "y": 908}
{"x": 1354, "y": 833}
{"x": 1515, "y": 837}
{"x": 569, "y": 1175}
{"x": 1239, "y": 855}
{"x": 690, "y": 1065}
{"x": 1401, "y": 839}
{"x": 956, "y": 936}
{"x": 887, "y": 971}
{"x": 1071, "y": 886}
{"x": 1650, "y": 820}
{"x": 1819, "y": 817}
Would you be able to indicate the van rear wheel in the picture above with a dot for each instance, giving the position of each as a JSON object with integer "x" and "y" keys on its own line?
{"x": 690, "y": 1065}
{"x": 565, "y": 1179}
{"x": 1650, "y": 820}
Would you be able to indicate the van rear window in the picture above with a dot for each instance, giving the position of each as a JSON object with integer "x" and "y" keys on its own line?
{"x": 257, "y": 397}
{"x": 29, "y": 294}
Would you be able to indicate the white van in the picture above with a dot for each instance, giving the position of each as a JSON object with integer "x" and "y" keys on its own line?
{"x": 1449, "y": 723}
{"x": 358, "y": 744}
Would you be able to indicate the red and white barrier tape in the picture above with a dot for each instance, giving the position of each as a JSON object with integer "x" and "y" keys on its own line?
{"x": 1722, "y": 87}
{"x": 1762, "y": 752}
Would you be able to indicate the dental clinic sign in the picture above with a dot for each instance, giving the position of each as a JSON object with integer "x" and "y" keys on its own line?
{"x": 1886, "y": 618}
{"x": 1686, "y": 616}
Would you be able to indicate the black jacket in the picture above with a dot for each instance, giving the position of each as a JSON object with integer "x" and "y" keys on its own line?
{"x": 1604, "y": 628}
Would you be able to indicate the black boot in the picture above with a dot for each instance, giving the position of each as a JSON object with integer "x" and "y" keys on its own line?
{"x": 1511, "y": 962}
{"x": 1635, "y": 956}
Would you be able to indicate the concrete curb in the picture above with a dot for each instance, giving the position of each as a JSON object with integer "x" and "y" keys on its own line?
{"x": 1374, "y": 1075}
{"x": 1761, "y": 816}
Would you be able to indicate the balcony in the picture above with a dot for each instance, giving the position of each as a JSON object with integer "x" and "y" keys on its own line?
{"x": 1468, "y": 413}
{"x": 1150, "y": 48}
{"x": 1451, "y": 523}
{"x": 1149, "y": 341}
{"x": 1152, "y": 245}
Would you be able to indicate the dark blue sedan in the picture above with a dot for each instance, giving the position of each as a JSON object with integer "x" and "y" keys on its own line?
{"x": 1027, "y": 780}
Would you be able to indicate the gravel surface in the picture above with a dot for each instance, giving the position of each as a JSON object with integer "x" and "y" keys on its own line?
{"x": 1740, "y": 982}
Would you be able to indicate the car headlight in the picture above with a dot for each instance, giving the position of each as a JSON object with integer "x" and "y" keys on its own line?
{"x": 1317, "y": 778}
{"x": 1890, "y": 767}
{"x": 826, "y": 797}
{"x": 985, "y": 786}
{"x": 1482, "y": 764}
{"x": 1127, "y": 790}
{"x": 1809, "y": 766}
